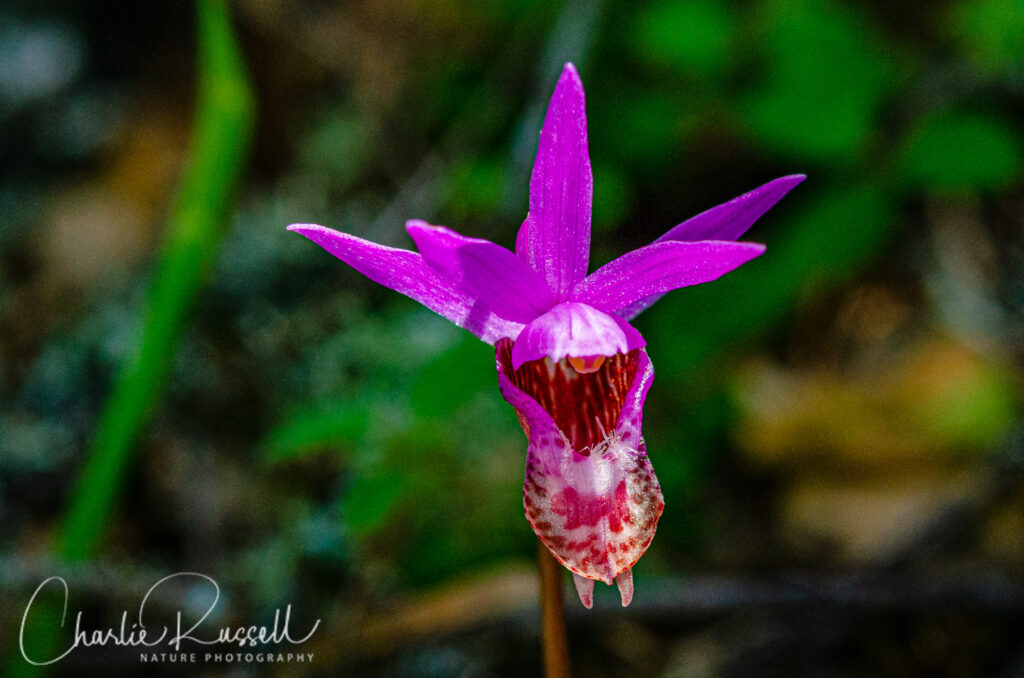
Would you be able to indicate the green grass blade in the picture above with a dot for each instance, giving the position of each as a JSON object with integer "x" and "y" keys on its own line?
{"x": 225, "y": 115}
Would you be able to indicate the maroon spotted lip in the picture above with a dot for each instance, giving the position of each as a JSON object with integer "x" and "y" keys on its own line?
{"x": 568, "y": 360}
{"x": 590, "y": 493}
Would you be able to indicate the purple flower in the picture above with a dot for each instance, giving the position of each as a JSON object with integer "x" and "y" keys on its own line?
{"x": 568, "y": 360}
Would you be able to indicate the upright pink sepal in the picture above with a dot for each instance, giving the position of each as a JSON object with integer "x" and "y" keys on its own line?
{"x": 556, "y": 241}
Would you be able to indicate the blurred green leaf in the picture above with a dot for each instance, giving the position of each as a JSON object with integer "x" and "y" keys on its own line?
{"x": 219, "y": 147}
{"x": 683, "y": 441}
{"x": 991, "y": 32}
{"x": 637, "y": 129}
{"x": 475, "y": 187}
{"x": 371, "y": 498}
{"x": 316, "y": 429}
{"x": 826, "y": 76}
{"x": 441, "y": 495}
{"x": 693, "y": 37}
{"x": 612, "y": 196}
{"x": 453, "y": 378}
{"x": 225, "y": 116}
{"x": 463, "y": 525}
{"x": 962, "y": 151}
{"x": 339, "y": 146}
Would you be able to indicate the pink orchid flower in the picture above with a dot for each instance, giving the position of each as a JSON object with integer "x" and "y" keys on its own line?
{"x": 568, "y": 360}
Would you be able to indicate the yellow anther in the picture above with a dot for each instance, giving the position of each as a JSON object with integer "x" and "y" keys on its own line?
{"x": 587, "y": 365}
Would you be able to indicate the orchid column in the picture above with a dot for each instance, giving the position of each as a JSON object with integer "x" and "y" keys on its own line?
{"x": 567, "y": 358}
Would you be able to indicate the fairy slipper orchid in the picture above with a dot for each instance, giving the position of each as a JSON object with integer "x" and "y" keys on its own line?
{"x": 568, "y": 360}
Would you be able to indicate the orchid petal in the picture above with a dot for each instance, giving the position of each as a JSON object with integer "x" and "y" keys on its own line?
{"x": 576, "y": 330}
{"x": 557, "y": 237}
{"x": 730, "y": 220}
{"x": 727, "y": 221}
{"x": 484, "y": 270}
{"x": 595, "y": 508}
{"x": 408, "y": 273}
{"x": 658, "y": 268}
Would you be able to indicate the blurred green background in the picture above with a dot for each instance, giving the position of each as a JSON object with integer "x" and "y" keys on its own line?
{"x": 184, "y": 385}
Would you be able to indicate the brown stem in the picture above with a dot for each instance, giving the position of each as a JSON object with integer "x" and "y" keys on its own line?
{"x": 552, "y": 612}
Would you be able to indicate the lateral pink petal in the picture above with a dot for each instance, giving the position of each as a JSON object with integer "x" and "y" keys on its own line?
{"x": 730, "y": 220}
{"x": 727, "y": 221}
{"x": 484, "y": 270}
{"x": 408, "y": 273}
{"x": 557, "y": 237}
{"x": 658, "y": 268}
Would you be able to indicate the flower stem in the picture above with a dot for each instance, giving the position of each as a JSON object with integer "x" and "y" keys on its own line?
{"x": 552, "y": 612}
